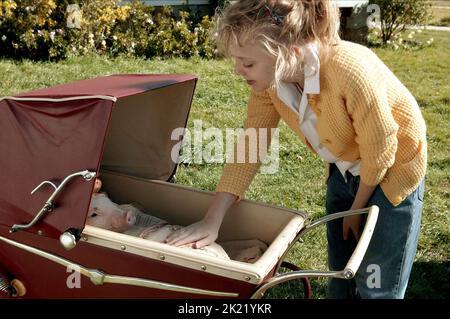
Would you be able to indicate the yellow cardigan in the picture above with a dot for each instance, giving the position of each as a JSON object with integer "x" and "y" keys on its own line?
{"x": 363, "y": 112}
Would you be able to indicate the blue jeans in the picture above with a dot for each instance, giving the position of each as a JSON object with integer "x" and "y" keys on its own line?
{"x": 386, "y": 266}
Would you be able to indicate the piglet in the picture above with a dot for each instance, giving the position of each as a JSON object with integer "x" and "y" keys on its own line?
{"x": 128, "y": 219}
{"x": 125, "y": 218}
{"x": 105, "y": 214}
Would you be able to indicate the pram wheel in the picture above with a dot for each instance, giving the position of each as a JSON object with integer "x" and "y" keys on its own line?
{"x": 293, "y": 289}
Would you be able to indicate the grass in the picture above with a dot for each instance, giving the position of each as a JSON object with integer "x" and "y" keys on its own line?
{"x": 441, "y": 13}
{"x": 441, "y": 17}
{"x": 220, "y": 101}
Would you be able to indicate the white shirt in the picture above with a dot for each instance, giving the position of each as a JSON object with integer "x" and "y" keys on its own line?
{"x": 297, "y": 100}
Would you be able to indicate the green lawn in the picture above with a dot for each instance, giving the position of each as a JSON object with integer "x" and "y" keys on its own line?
{"x": 441, "y": 13}
{"x": 441, "y": 16}
{"x": 220, "y": 101}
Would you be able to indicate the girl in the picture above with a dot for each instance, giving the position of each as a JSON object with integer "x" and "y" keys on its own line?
{"x": 350, "y": 110}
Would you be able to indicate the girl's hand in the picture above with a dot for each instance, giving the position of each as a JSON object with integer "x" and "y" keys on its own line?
{"x": 353, "y": 224}
{"x": 199, "y": 234}
{"x": 204, "y": 232}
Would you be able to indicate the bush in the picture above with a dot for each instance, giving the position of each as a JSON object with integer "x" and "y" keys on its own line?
{"x": 130, "y": 36}
{"x": 396, "y": 15}
{"x": 32, "y": 29}
{"x": 180, "y": 38}
{"x": 39, "y": 30}
{"x": 406, "y": 40}
{"x": 173, "y": 38}
{"x": 98, "y": 21}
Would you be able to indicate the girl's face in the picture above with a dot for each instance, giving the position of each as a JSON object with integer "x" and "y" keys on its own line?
{"x": 254, "y": 64}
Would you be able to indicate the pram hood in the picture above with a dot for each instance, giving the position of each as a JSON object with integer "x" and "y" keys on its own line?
{"x": 50, "y": 133}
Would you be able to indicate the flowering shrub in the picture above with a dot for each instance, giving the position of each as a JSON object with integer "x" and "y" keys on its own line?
{"x": 207, "y": 49}
{"x": 396, "y": 15}
{"x": 407, "y": 40}
{"x": 130, "y": 36}
{"x": 173, "y": 38}
{"x": 41, "y": 30}
{"x": 97, "y": 24}
{"x": 32, "y": 29}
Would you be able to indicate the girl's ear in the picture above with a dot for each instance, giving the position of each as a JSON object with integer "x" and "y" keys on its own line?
{"x": 297, "y": 50}
{"x": 97, "y": 185}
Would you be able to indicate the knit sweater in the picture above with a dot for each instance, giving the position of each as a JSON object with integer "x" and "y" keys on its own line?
{"x": 363, "y": 112}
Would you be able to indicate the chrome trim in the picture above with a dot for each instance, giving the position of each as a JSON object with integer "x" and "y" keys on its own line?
{"x": 49, "y": 205}
{"x": 67, "y": 240}
{"x": 99, "y": 278}
{"x": 331, "y": 217}
{"x": 279, "y": 279}
{"x": 309, "y": 225}
{"x": 63, "y": 99}
{"x": 352, "y": 265}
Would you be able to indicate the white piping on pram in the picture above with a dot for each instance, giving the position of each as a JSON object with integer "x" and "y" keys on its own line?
{"x": 63, "y": 99}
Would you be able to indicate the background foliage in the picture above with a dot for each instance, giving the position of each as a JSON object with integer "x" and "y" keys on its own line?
{"x": 397, "y": 15}
{"x": 38, "y": 30}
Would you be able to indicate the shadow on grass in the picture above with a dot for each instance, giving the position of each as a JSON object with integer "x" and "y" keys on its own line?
{"x": 429, "y": 280}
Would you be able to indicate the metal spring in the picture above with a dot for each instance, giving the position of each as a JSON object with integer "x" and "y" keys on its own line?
{"x": 4, "y": 286}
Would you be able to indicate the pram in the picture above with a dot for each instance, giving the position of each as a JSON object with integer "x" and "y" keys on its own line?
{"x": 55, "y": 141}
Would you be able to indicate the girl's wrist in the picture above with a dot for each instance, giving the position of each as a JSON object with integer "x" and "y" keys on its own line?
{"x": 218, "y": 209}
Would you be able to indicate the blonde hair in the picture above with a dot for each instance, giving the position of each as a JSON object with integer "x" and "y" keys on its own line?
{"x": 279, "y": 25}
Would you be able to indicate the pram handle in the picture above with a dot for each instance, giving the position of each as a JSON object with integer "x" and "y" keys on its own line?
{"x": 352, "y": 265}
{"x": 49, "y": 205}
{"x": 358, "y": 254}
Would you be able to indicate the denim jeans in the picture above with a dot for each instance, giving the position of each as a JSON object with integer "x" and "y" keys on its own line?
{"x": 386, "y": 266}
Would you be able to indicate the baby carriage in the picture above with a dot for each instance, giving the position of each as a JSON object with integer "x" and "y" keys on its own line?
{"x": 55, "y": 141}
